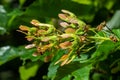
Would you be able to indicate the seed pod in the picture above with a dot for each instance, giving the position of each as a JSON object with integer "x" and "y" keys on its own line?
{"x": 101, "y": 26}
{"x": 68, "y": 13}
{"x": 23, "y": 28}
{"x": 82, "y": 38}
{"x": 72, "y": 20}
{"x": 45, "y": 39}
{"x": 29, "y": 38}
{"x": 65, "y": 36}
{"x": 64, "y": 62}
{"x": 65, "y": 11}
{"x": 62, "y": 16}
{"x": 69, "y": 30}
{"x": 65, "y": 45}
{"x": 39, "y": 49}
{"x": 41, "y": 32}
{"x": 64, "y": 24}
{"x": 71, "y": 59}
{"x": 35, "y": 22}
{"x": 103, "y": 23}
{"x": 42, "y": 49}
{"x": 86, "y": 28}
{"x": 113, "y": 38}
{"x": 30, "y": 46}
{"x": 64, "y": 57}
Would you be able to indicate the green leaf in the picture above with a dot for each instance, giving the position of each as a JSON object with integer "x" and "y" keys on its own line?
{"x": 67, "y": 77}
{"x": 8, "y": 53}
{"x": 103, "y": 50}
{"x": 82, "y": 73}
{"x": 83, "y": 2}
{"x": 69, "y": 69}
{"x": 27, "y": 54}
{"x": 4, "y": 49}
{"x": 26, "y": 73}
{"x": 2, "y": 30}
{"x": 117, "y": 45}
{"x": 117, "y": 32}
{"x": 2, "y": 10}
{"x": 3, "y": 20}
{"x": 43, "y": 9}
{"x": 15, "y": 13}
{"x": 52, "y": 69}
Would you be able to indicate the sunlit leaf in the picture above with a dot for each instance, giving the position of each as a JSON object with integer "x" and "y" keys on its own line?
{"x": 83, "y": 2}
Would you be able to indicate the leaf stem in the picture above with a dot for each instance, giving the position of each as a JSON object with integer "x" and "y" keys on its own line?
{"x": 101, "y": 38}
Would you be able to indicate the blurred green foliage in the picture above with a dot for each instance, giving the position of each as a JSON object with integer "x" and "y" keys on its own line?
{"x": 99, "y": 64}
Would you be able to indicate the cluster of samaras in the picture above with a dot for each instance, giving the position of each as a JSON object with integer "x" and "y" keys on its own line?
{"x": 75, "y": 37}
